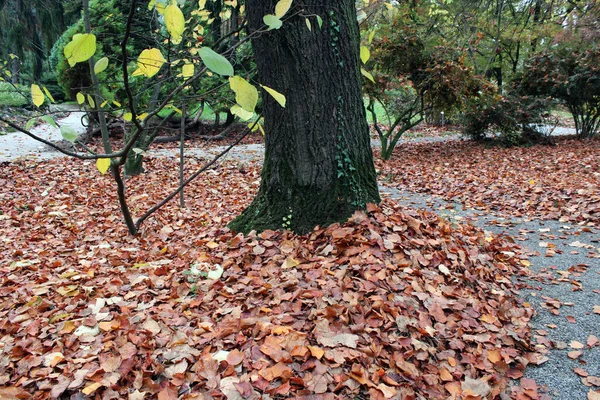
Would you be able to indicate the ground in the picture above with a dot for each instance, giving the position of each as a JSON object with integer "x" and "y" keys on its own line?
{"x": 395, "y": 303}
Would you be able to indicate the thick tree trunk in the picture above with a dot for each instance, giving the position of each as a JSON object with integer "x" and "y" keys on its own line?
{"x": 318, "y": 165}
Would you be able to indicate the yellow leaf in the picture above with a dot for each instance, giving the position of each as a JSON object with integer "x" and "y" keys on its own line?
{"x": 276, "y": 95}
{"x": 187, "y": 70}
{"x": 80, "y": 48}
{"x": 91, "y": 388}
{"x": 282, "y": 7}
{"x": 127, "y": 117}
{"x": 48, "y": 95}
{"x": 241, "y": 113}
{"x": 175, "y": 22}
{"x": 526, "y": 263}
{"x": 149, "y": 62}
{"x": 103, "y": 164}
{"x": 91, "y": 101}
{"x": 36, "y": 95}
{"x": 365, "y": 54}
{"x": 246, "y": 94}
{"x": 70, "y": 290}
{"x": 290, "y": 263}
{"x": 80, "y": 98}
{"x": 371, "y": 36}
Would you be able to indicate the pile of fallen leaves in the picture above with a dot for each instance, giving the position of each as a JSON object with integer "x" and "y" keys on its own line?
{"x": 391, "y": 304}
{"x": 550, "y": 182}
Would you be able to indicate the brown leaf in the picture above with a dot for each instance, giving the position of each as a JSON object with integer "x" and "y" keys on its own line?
{"x": 316, "y": 352}
{"x": 475, "y": 387}
{"x": 168, "y": 393}
{"x": 574, "y": 354}
{"x": 279, "y": 370}
{"x": 59, "y": 388}
{"x": 593, "y": 395}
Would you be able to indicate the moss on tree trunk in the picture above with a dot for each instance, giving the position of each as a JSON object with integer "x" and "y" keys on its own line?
{"x": 318, "y": 166}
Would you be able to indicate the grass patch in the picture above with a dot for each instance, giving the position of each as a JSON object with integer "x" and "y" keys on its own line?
{"x": 10, "y": 97}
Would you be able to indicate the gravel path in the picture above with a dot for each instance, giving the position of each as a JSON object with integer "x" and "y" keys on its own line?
{"x": 15, "y": 145}
{"x": 565, "y": 258}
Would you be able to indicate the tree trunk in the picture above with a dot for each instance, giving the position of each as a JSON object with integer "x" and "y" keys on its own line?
{"x": 318, "y": 166}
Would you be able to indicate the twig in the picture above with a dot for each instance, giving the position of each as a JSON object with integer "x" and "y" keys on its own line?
{"x": 194, "y": 176}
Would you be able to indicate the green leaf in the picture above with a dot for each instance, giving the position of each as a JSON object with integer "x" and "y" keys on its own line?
{"x": 320, "y": 21}
{"x": 68, "y": 133}
{"x": 246, "y": 94}
{"x": 91, "y": 101}
{"x": 365, "y": 54}
{"x": 367, "y": 75}
{"x": 103, "y": 164}
{"x": 215, "y": 62}
{"x": 80, "y": 48}
{"x": 49, "y": 120}
{"x": 101, "y": 65}
{"x": 36, "y": 95}
{"x": 175, "y": 22}
{"x": 282, "y": 7}
{"x": 149, "y": 62}
{"x": 272, "y": 21}
{"x": 30, "y": 123}
{"x": 276, "y": 95}
{"x": 80, "y": 98}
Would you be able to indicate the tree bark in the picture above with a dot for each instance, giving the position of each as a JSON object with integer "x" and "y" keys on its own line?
{"x": 318, "y": 166}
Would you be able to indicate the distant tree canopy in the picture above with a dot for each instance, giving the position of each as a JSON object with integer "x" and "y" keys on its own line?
{"x": 28, "y": 30}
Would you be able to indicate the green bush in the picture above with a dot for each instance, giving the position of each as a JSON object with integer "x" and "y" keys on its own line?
{"x": 512, "y": 119}
{"x": 11, "y": 97}
{"x": 108, "y": 19}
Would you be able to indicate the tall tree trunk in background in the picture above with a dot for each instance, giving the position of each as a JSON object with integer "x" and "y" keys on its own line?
{"x": 15, "y": 70}
{"x": 318, "y": 165}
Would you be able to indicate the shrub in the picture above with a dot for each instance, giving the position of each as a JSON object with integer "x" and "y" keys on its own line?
{"x": 11, "y": 97}
{"x": 108, "y": 20}
{"x": 512, "y": 119}
{"x": 573, "y": 78}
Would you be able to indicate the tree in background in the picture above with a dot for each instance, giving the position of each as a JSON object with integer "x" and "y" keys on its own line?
{"x": 417, "y": 74}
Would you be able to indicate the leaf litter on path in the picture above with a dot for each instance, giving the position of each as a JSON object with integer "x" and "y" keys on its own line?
{"x": 391, "y": 304}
